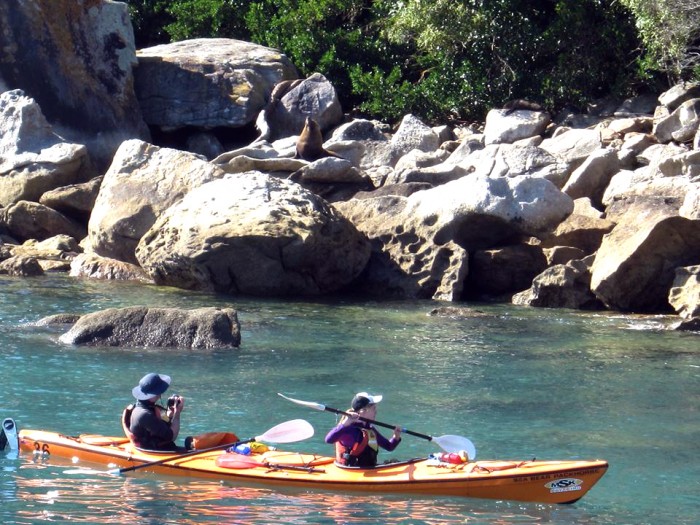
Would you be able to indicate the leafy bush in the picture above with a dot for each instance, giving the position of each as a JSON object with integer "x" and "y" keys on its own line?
{"x": 443, "y": 59}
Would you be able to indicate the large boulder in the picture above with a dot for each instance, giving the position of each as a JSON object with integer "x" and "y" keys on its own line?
{"x": 75, "y": 59}
{"x": 255, "y": 235}
{"x": 421, "y": 243}
{"x": 406, "y": 262}
{"x": 681, "y": 125}
{"x": 634, "y": 267}
{"x": 313, "y": 97}
{"x": 93, "y": 266}
{"x": 139, "y": 326}
{"x": 75, "y": 200}
{"x": 142, "y": 182}
{"x": 481, "y": 212}
{"x": 562, "y": 286}
{"x": 207, "y": 83}
{"x": 33, "y": 158}
{"x": 508, "y": 126}
{"x": 31, "y": 220}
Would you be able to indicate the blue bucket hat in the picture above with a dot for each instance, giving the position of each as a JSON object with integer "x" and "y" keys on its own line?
{"x": 151, "y": 385}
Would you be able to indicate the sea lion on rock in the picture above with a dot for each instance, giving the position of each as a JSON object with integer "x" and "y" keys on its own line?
{"x": 310, "y": 143}
{"x": 521, "y": 103}
{"x": 263, "y": 120}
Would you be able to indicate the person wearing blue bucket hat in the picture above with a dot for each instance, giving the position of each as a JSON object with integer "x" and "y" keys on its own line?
{"x": 151, "y": 426}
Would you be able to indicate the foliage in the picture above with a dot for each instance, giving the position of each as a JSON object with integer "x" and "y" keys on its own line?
{"x": 207, "y": 18}
{"x": 149, "y": 18}
{"x": 670, "y": 31}
{"x": 437, "y": 59}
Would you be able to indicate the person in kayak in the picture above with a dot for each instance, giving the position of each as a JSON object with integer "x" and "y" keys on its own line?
{"x": 357, "y": 442}
{"x": 154, "y": 427}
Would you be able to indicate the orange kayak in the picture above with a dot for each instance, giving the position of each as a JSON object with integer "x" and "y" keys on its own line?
{"x": 535, "y": 481}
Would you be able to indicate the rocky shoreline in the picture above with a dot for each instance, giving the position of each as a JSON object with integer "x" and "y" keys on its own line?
{"x": 189, "y": 175}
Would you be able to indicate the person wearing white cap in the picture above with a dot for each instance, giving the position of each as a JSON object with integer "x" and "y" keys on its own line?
{"x": 152, "y": 426}
{"x": 357, "y": 442}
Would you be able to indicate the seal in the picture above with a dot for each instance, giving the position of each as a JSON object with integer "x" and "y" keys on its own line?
{"x": 521, "y": 103}
{"x": 310, "y": 143}
{"x": 263, "y": 120}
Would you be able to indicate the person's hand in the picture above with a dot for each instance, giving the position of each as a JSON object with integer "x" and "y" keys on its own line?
{"x": 176, "y": 408}
{"x": 397, "y": 433}
{"x": 351, "y": 418}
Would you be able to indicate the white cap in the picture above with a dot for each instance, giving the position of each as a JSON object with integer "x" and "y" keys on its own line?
{"x": 363, "y": 399}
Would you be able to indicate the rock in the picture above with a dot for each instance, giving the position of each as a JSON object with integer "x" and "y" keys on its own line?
{"x": 458, "y": 312}
{"x": 92, "y": 266}
{"x": 682, "y": 165}
{"x": 21, "y": 266}
{"x": 562, "y": 286}
{"x": 53, "y": 254}
{"x": 30, "y": 220}
{"x": 482, "y": 212}
{"x": 205, "y": 144}
{"x": 34, "y": 159}
{"x": 207, "y": 82}
{"x": 405, "y": 262}
{"x": 573, "y": 146}
{"x": 138, "y": 326}
{"x": 417, "y": 159}
{"x": 503, "y": 271}
{"x": 420, "y": 243}
{"x": 313, "y": 97}
{"x": 678, "y": 94}
{"x": 626, "y": 186}
{"x": 684, "y": 295}
{"x": 412, "y": 134}
{"x": 363, "y": 143}
{"x": 592, "y": 177}
{"x": 142, "y": 182}
{"x": 75, "y": 201}
{"x": 255, "y": 235}
{"x": 508, "y": 126}
{"x": 691, "y": 325}
{"x": 582, "y": 230}
{"x": 634, "y": 267}
{"x": 58, "y": 320}
{"x": 633, "y": 107}
{"x": 690, "y": 209}
{"x": 562, "y": 254}
{"x": 687, "y": 114}
{"x": 75, "y": 59}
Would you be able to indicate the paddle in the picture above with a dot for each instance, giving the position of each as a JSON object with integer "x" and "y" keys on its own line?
{"x": 448, "y": 443}
{"x": 287, "y": 432}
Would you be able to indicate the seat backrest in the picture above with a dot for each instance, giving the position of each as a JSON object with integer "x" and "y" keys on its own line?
{"x": 126, "y": 424}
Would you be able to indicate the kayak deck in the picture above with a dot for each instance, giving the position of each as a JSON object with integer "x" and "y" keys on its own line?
{"x": 536, "y": 481}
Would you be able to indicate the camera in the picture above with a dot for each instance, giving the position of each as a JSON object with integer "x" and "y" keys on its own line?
{"x": 173, "y": 400}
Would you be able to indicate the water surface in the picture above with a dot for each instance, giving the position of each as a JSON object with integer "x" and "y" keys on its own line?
{"x": 519, "y": 382}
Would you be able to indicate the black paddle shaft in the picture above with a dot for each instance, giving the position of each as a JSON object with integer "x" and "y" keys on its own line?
{"x": 385, "y": 425}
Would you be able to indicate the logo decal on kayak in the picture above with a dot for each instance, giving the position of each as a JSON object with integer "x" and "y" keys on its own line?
{"x": 564, "y": 485}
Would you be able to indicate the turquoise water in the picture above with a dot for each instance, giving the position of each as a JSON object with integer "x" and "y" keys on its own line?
{"x": 520, "y": 383}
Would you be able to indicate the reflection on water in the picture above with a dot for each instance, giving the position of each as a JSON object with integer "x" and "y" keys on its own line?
{"x": 43, "y": 492}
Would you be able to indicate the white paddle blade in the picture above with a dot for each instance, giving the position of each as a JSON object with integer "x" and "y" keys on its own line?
{"x": 451, "y": 443}
{"x": 310, "y": 404}
{"x": 288, "y": 432}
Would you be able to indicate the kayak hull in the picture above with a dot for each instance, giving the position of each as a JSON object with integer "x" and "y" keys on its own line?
{"x": 534, "y": 481}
